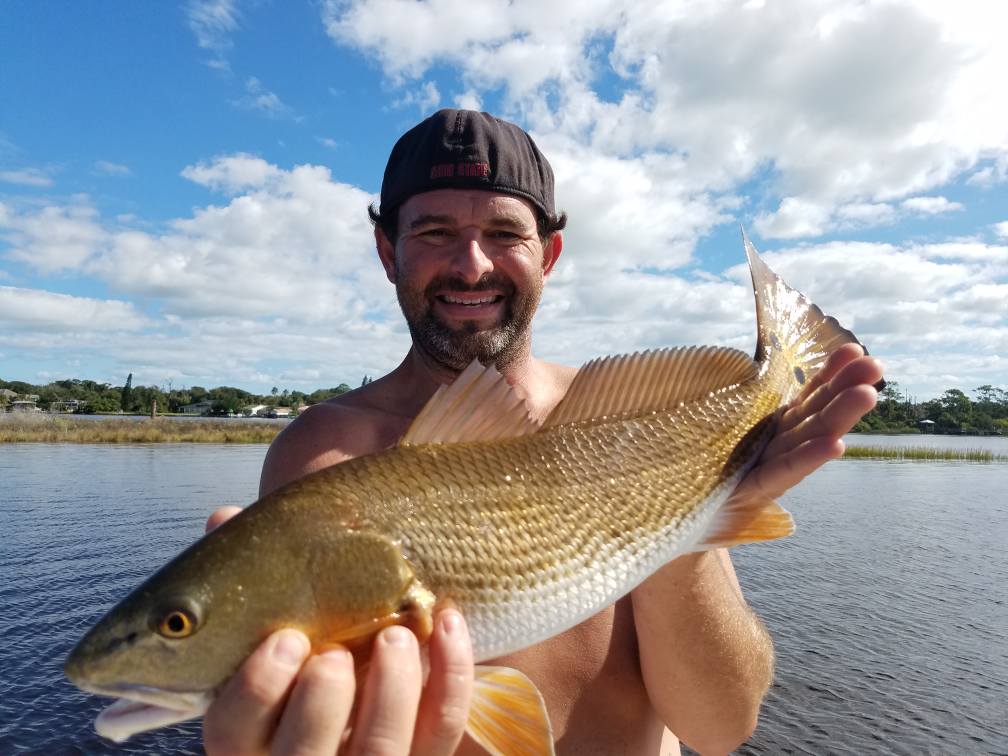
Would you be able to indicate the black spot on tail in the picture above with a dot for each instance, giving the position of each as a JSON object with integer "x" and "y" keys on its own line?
{"x": 799, "y": 375}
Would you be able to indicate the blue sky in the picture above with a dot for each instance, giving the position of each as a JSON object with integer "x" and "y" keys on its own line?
{"x": 183, "y": 187}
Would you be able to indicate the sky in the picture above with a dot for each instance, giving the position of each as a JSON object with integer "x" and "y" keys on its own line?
{"x": 183, "y": 187}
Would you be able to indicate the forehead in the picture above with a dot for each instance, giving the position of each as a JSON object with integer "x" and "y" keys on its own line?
{"x": 467, "y": 206}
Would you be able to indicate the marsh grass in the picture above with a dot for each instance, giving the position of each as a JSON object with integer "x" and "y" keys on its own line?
{"x": 19, "y": 427}
{"x": 922, "y": 454}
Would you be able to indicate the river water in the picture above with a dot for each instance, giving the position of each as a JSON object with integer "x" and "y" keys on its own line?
{"x": 888, "y": 607}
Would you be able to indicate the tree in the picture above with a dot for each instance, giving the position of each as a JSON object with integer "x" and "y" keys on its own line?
{"x": 126, "y": 401}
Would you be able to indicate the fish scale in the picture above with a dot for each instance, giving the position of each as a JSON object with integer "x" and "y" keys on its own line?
{"x": 546, "y": 548}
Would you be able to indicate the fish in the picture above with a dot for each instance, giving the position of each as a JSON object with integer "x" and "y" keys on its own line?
{"x": 528, "y": 525}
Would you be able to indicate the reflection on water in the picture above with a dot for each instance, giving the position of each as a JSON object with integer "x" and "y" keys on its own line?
{"x": 888, "y": 607}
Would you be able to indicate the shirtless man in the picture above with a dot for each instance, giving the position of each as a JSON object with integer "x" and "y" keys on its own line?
{"x": 468, "y": 233}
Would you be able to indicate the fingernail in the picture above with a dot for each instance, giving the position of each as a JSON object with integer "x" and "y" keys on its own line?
{"x": 340, "y": 655}
{"x": 451, "y": 622}
{"x": 397, "y": 636}
{"x": 289, "y": 648}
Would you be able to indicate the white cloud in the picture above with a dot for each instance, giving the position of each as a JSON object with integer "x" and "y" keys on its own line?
{"x": 108, "y": 168}
{"x": 260, "y": 99}
{"x": 213, "y": 21}
{"x": 1001, "y": 229}
{"x": 35, "y": 310}
{"x": 27, "y": 177}
{"x": 54, "y": 239}
{"x": 930, "y": 205}
{"x": 849, "y": 107}
{"x": 234, "y": 174}
{"x": 469, "y": 100}
{"x": 424, "y": 96}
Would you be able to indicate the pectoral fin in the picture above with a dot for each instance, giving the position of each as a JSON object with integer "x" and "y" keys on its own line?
{"x": 508, "y": 716}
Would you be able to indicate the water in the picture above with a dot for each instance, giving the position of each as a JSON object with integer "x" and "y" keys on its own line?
{"x": 889, "y": 607}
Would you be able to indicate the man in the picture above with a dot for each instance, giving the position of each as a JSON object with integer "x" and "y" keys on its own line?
{"x": 468, "y": 233}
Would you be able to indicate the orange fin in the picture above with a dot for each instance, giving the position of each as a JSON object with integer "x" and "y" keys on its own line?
{"x": 479, "y": 406}
{"x": 746, "y": 520}
{"x": 647, "y": 382}
{"x": 508, "y": 716}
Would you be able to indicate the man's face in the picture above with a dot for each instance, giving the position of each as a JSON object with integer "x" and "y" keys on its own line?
{"x": 469, "y": 270}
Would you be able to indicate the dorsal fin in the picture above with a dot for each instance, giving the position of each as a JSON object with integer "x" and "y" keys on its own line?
{"x": 479, "y": 406}
{"x": 650, "y": 381}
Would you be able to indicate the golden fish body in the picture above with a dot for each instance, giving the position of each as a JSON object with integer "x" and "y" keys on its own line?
{"x": 528, "y": 529}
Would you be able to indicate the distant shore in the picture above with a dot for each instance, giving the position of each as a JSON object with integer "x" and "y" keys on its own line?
{"x": 27, "y": 428}
{"x": 36, "y": 428}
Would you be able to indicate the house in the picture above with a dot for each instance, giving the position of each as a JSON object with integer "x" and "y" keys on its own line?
{"x": 66, "y": 405}
{"x": 197, "y": 408}
{"x": 24, "y": 405}
{"x": 274, "y": 412}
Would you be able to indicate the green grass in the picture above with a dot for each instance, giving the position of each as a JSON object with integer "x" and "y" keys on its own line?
{"x": 23, "y": 427}
{"x": 923, "y": 454}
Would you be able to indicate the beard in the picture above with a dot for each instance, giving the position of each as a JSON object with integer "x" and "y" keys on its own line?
{"x": 455, "y": 347}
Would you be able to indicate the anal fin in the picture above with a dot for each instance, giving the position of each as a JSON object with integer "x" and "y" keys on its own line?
{"x": 508, "y": 715}
{"x": 746, "y": 520}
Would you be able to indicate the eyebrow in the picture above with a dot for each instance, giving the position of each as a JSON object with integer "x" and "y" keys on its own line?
{"x": 498, "y": 221}
{"x": 429, "y": 219}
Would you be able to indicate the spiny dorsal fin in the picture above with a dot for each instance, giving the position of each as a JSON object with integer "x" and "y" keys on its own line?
{"x": 650, "y": 381}
{"x": 479, "y": 406}
{"x": 746, "y": 520}
{"x": 507, "y": 715}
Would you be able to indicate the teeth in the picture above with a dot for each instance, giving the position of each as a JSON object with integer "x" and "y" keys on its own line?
{"x": 456, "y": 300}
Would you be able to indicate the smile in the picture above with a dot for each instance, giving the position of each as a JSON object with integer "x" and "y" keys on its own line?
{"x": 470, "y": 301}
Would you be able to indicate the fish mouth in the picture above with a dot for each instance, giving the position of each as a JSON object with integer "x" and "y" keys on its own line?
{"x": 140, "y": 708}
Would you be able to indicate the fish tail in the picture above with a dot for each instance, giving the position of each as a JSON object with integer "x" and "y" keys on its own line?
{"x": 791, "y": 328}
{"x": 508, "y": 715}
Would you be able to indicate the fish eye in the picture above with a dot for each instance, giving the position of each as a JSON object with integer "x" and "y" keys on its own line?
{"x": 176, "y": 620}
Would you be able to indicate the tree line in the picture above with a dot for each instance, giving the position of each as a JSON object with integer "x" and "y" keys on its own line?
{"x": 952, "y": 412}
{"x": 93, "y": 397}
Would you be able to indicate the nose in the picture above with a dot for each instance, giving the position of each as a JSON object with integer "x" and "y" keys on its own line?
{"x": 470, "y": 262}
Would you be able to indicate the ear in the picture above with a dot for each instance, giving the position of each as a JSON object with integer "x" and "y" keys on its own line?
{"x": 386, "y": 253}
{"x": 551, "y": 252}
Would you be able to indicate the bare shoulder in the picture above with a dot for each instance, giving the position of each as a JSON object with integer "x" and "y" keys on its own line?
{"x": 551, "y": 384}
{"x": 346, "y": 426}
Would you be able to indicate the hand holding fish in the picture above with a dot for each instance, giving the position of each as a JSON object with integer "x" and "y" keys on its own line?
{"x": 810, "y": 428}
{"x": 281, "y": 699}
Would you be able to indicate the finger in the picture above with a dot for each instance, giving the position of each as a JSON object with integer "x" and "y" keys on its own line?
{"x": 220, "y": 516}
{"x": 388, "y": 705}
{"x": 837, "y": 360}
{"x": 771, "y": 479}
{"x": 444, "y": 707}
{"x": 820, "y": 415}
{"x": 316, "y": 714}
{"x": 242, "y": 718}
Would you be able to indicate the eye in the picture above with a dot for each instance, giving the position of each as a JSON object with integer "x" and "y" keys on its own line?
{"x": 175, "y": 619}
{"x": 177, "y": 624}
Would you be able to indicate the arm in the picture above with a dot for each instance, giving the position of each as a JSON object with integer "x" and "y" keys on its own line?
{"x": 706, "y": 659}
{"x": 285, "y": 700}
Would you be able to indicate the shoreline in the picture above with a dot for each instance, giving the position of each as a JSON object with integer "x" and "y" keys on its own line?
{"x": 134, "y": 429}
{"x": 140, "y": 429}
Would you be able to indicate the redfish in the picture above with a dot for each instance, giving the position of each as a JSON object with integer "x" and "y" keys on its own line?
{"x": 528, "y": 526}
